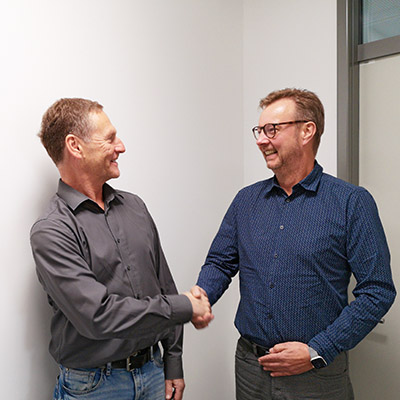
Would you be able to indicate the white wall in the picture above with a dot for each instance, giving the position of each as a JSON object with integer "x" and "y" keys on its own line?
{"x": 181, "y": 80}
{"x": 168, "y": 74}
{"x": 288, "y": 43}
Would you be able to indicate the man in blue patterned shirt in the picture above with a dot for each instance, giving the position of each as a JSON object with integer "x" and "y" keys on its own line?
{"x": 295, "y": 240}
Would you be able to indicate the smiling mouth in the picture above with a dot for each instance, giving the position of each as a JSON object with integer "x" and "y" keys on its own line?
{"x": 269, "y": 152}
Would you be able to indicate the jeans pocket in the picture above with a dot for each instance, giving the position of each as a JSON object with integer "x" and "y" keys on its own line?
{"x": 81, "y": 381}
{"x": 337, "y": 369}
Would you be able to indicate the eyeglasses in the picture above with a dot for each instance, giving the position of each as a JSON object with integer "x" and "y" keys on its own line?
{"x": 270, "y": 129}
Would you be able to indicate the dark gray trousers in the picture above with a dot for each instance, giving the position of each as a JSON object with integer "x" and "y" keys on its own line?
{"x": 253, "y": 383}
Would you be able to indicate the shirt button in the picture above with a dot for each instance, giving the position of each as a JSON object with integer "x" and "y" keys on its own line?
{"x": 287, "y": 200}
{"x": 270, "y": 316}
{"x": 118, "y": 241}
{"x": 271, "y": 285}
{"x": 281, "y": 227}
{"x": 128, "y": 267}
{"x": 275, "y": 255}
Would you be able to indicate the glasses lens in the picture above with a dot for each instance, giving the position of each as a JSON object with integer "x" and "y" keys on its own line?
{"x": 256, "y": 132}
{"x": 269, "y": 130}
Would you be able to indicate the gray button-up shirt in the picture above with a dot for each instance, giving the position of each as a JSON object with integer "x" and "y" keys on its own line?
{"x": 107, "y": 280}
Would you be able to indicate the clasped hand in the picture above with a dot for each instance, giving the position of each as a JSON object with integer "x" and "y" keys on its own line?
{"x": 202, "y": 314}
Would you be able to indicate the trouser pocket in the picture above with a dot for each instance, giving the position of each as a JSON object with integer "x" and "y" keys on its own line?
{"x": 80, "y": 381}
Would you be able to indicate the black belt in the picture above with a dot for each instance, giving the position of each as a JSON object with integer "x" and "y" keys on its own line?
{"x": 256, "y": 349}
{"x": 135, "y": 360}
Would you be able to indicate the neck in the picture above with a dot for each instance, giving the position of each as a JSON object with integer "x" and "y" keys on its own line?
{"x": 83, "y": 184}
{"x": 289, "y": 177}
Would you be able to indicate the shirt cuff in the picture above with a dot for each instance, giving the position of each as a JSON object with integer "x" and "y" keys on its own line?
{"x": 181, "y": 308}
{"x": 324, "y": 347}
{"x": 173, "y": 368}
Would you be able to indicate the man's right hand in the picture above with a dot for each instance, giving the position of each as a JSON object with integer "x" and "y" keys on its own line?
{"x": 202, "y": 314}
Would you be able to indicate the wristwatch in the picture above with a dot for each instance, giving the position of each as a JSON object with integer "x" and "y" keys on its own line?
{"x": 316, "y": 360}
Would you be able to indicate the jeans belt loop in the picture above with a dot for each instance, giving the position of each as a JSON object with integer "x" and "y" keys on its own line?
{"x": 108, "y": 369}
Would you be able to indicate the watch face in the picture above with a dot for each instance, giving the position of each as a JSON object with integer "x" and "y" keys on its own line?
{"x": 318, "y": 362}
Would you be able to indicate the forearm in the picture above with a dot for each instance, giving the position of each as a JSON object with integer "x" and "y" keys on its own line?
{"x": 222, "y": 262}
{"x": 214, "y": 281}
{"x": 353, "y": 324}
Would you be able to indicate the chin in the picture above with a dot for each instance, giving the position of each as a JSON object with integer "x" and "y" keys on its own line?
{"x": 112, "y": 176}
{"x": 273, "y": 167}
{"x": 115, "y": 174}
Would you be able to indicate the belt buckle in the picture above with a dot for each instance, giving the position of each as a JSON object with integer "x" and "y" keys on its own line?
{"x": 129, "y": 367}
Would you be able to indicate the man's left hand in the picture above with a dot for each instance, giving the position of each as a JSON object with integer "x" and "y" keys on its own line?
{"x": 174, "y": 384}
{"x": 284, "y": 359}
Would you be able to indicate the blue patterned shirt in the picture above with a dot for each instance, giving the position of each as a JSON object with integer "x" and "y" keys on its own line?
{"x": 295, "y": 255}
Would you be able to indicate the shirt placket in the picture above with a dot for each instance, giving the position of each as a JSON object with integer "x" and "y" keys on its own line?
{"x": 280, "y": 225}
{"x": 123, "y": 251}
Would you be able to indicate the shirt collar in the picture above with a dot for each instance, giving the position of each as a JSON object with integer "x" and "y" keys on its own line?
{"x": 74, "y": 199}
{"x": 309, "y": 183}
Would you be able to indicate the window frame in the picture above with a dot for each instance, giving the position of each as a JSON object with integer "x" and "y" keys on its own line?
{"x": 350, "y": 53}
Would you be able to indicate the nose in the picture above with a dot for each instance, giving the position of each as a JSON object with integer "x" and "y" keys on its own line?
{"x": 262, "y": 139}
{"x": 120, "y": 147}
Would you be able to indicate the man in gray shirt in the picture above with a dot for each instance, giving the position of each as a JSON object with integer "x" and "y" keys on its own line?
{"x": 99, "y": 259}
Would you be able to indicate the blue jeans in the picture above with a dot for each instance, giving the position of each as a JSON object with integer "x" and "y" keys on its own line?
{"x": 106, "y": 383}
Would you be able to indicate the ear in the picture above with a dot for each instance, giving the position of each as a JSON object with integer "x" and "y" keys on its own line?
{"x": 308, "y": 132}
{"x": 73, "y": 145}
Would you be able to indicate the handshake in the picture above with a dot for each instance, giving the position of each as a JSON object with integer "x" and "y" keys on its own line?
{"x": 202, "y": 314}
